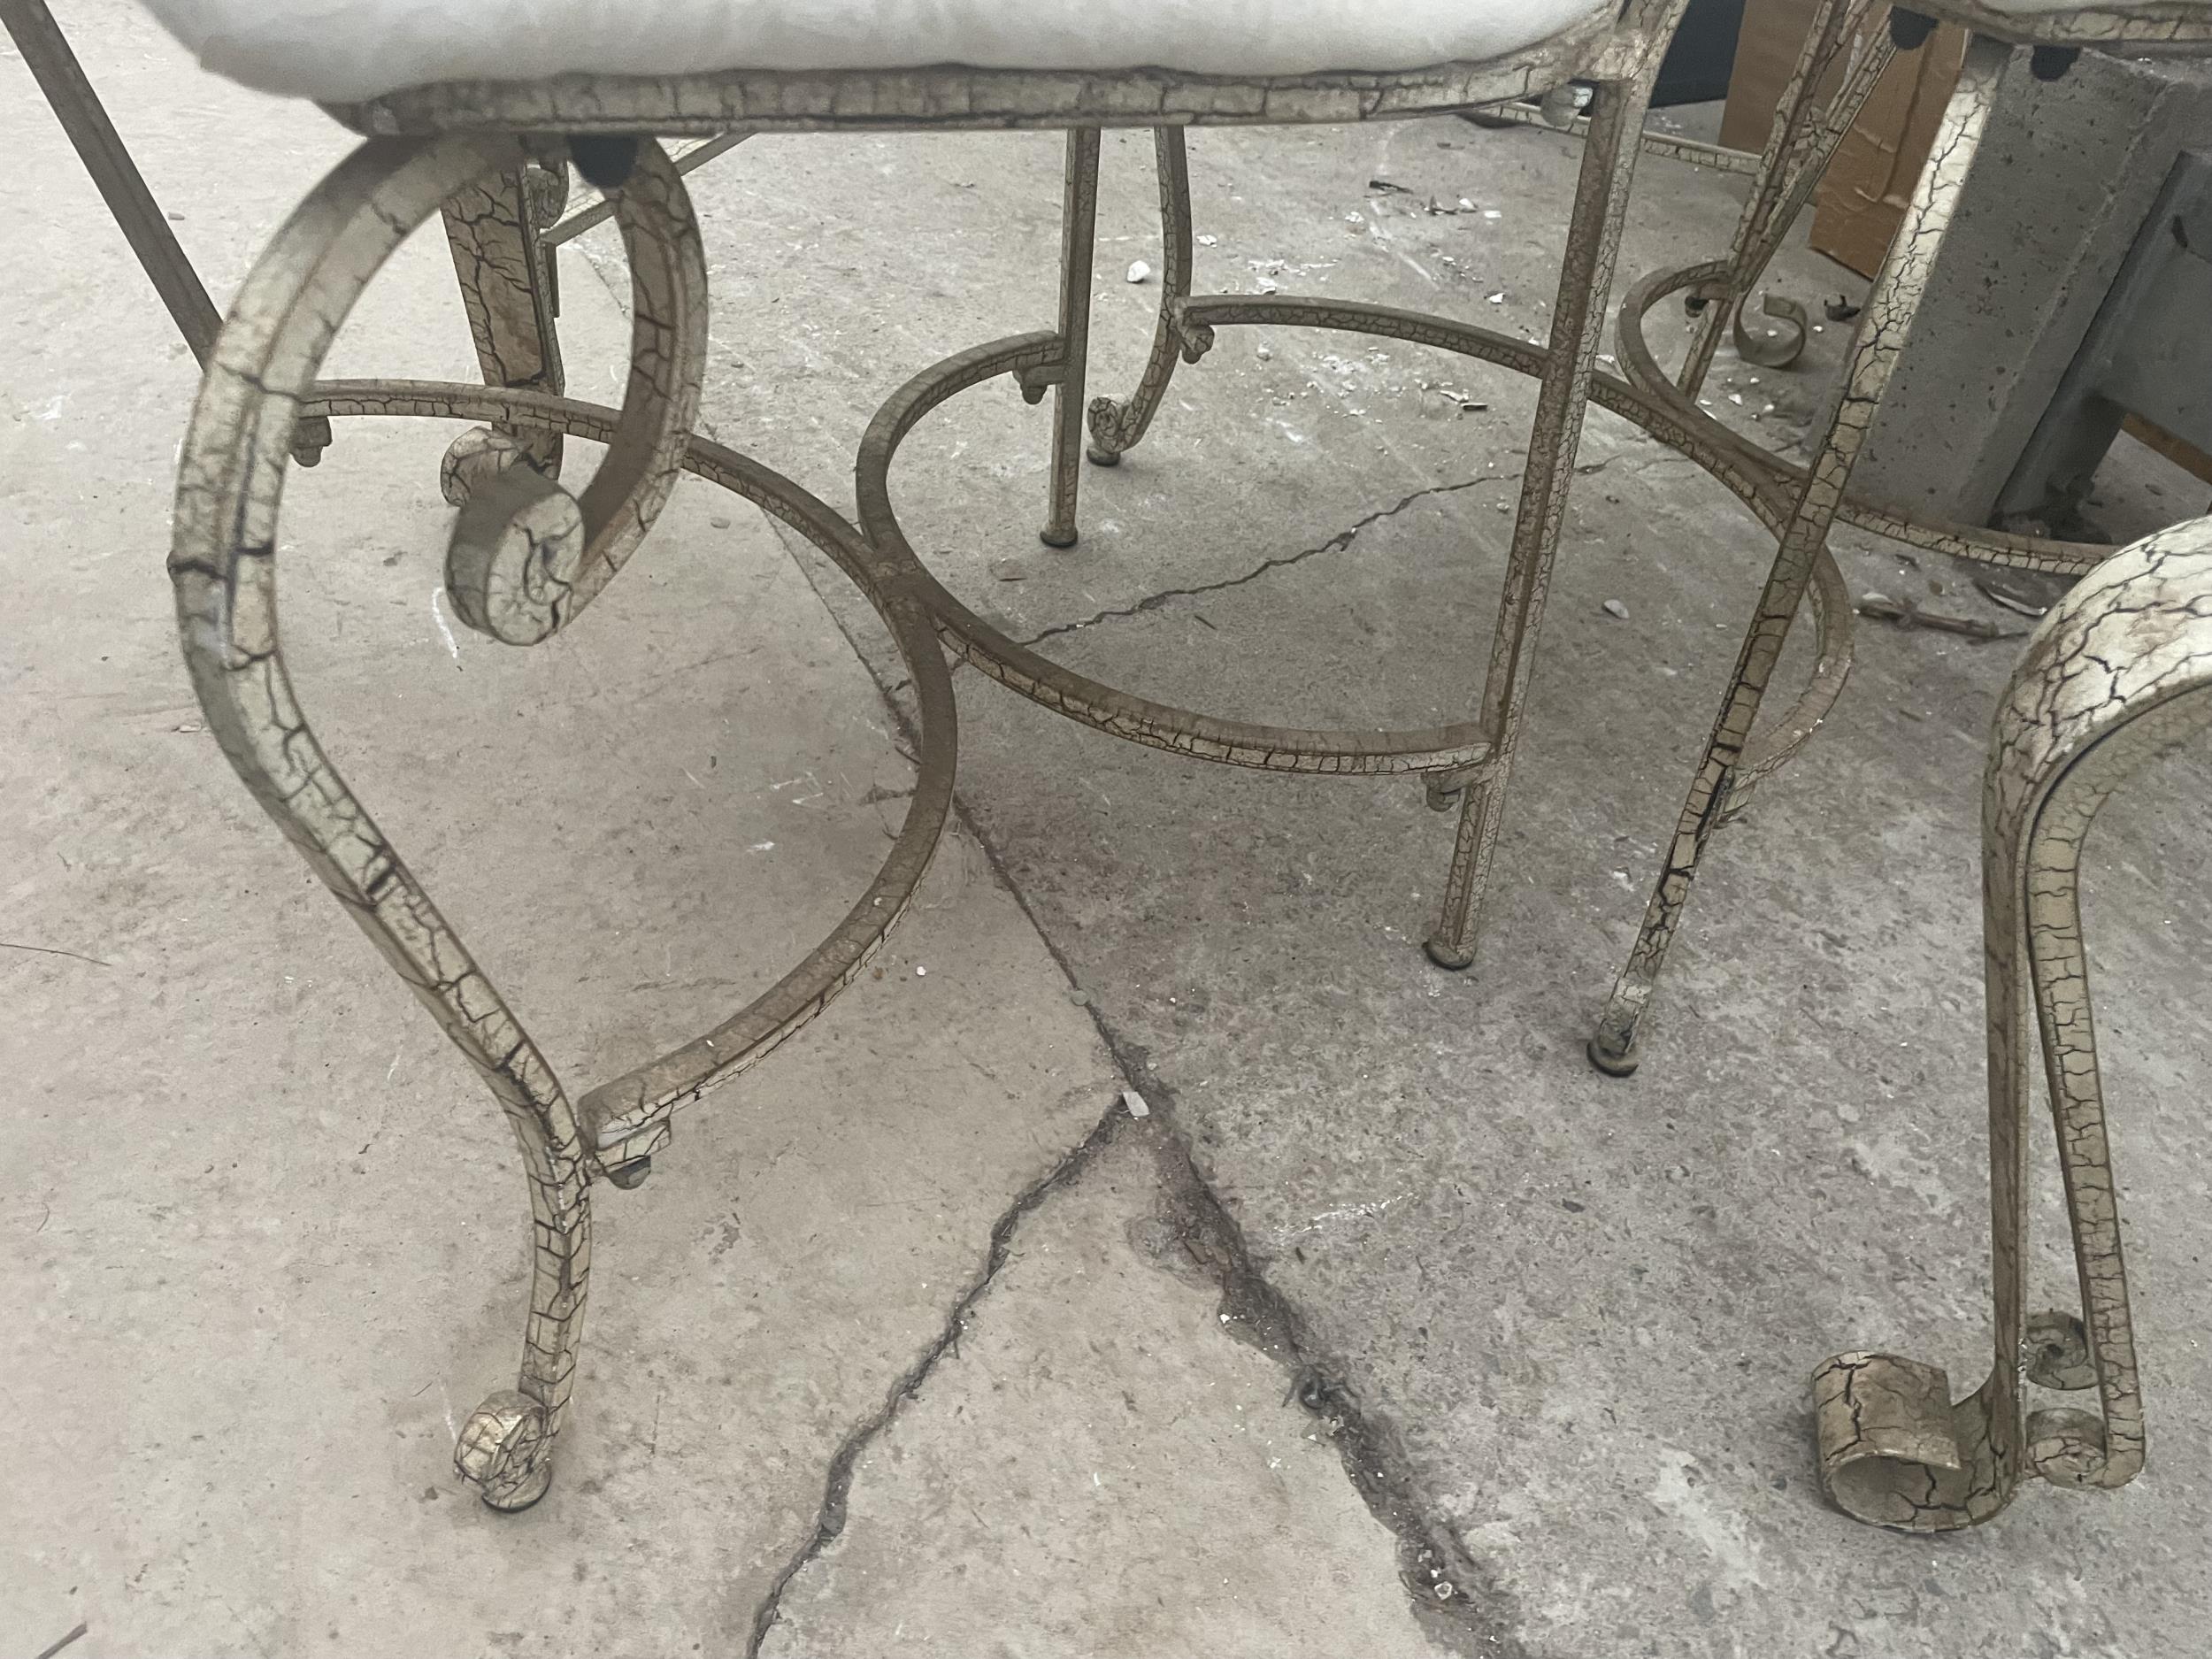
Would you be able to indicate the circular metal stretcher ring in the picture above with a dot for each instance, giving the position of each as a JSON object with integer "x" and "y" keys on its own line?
{"x": 1938, "y": 535}
{"x": 1457, "y": 747}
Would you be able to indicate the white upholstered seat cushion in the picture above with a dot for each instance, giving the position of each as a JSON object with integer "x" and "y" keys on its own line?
{"x": 340, "y": 50}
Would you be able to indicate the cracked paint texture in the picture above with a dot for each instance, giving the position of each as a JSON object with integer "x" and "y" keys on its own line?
{"x": 1805, "y": 134}
{"x": 2117, "y": 673}
{"x": 508, "y": 287}
{"x": 529, "y": 555}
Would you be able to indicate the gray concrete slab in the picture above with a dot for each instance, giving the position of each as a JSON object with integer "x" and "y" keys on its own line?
{"x": 1583, "y": 1312}
{"x": 1038, "y": 1496}
{"x": 1552, "y": 1330}
{"x": 269, "y": 1243}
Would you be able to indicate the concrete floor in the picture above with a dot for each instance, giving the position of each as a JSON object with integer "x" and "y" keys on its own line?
{"x": 918, "y": 1341}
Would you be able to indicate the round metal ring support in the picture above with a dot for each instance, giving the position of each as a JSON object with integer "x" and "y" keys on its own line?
{"x": 1458, "y": 748}
{"x": 1140, "y": 720}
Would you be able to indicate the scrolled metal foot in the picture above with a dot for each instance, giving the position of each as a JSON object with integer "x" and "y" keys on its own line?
{"x": 1117, "y": 425}
{"x": 2120, "y": 671}
{"x": 505, "y": 1452}
{"x": 1889, "y": 1442}
{"x": 2070, "y": 1448}
{"x": 518, "y": 551}
{"x": 528, "y": 553}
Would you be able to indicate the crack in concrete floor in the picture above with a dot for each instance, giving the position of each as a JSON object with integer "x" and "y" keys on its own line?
{"x": 1043, "y": 844}
{"x": 2033, "y": 1538}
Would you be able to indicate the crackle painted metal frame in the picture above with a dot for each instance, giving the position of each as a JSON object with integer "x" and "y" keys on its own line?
{"x": 2119, "y": 670}
{"x": 528, "y": 557}
{"x": 1464, "y": 764}
{"x": 1805, "y": 133}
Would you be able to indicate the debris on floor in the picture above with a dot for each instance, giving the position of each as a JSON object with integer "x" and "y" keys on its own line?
{"x": 1906, "y": 614}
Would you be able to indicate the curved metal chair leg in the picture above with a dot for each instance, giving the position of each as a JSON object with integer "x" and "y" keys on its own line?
{"x": 1717, "y": 792}
{"x": 2121, "y": 670}
{"x": 1117, "y": 427}
{"x": 223, "y": 568}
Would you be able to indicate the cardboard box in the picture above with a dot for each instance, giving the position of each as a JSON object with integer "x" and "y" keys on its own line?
{"x": 1861, "y": 200}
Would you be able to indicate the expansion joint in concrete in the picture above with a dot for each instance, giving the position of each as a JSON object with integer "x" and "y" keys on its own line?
{"x": 1458, "y": 1600}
